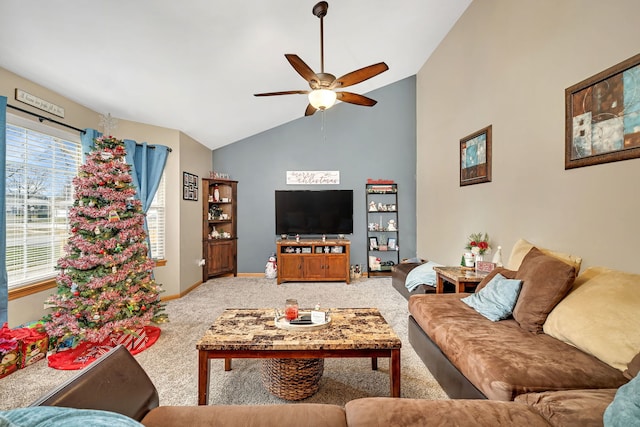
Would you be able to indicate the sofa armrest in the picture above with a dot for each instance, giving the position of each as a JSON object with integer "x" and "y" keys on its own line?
{"x": 115, "y": 382}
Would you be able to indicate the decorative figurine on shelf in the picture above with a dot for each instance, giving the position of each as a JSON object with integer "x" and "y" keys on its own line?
{"x": 372, "y": 206}
{"x": 214, "y": 233}
{"x": 216, "y": 193}
{"x": 271, "y": 269}
{"x": 391, "y": 226}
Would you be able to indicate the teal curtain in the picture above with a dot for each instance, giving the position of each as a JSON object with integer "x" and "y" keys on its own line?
{"x": 147, "y": 164}
{"x": 4, "y": 280}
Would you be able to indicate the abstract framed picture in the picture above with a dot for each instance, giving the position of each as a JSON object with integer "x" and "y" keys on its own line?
{"x": 602, "y": 116}
{"x": 475, "y": 157}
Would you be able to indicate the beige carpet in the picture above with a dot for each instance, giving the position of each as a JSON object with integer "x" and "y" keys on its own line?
{"x": 172, "y": 361}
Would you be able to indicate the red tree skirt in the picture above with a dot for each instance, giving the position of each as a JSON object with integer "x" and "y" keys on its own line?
{"x": 87, "y": 352}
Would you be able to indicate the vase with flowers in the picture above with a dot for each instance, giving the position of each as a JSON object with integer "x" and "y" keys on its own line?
{"x": 478, "y": 244}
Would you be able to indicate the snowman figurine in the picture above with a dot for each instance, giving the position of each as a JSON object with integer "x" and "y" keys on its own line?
{"x": 391, "y": 226}
{"x": 271, "y": 269}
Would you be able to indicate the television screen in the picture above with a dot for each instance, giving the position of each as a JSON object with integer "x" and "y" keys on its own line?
{"x": 314, "y": 212}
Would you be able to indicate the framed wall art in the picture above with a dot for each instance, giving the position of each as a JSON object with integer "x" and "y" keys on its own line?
{"x": 189, "y": 186}
{"x": 475, "y": 157}
{"x": 602, "y": 116}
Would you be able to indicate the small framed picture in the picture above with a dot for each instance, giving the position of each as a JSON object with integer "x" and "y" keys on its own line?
{"x": 475, "y": 157}
{"x": 189, "y": 186}
{"x": 373, "y": 243}
{"x": 391, "y": 244}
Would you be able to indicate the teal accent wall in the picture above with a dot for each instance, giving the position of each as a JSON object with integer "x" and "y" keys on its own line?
{"x": 360, "y": 142}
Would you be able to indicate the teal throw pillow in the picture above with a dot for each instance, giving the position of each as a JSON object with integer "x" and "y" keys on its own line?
{"x": 497, "y": 299}
{"x": 625, "y": 409}
{"x": 53, "y": 416}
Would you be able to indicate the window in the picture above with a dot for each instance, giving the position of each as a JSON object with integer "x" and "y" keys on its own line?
{"x": 155, "y": 221}
{"x": 41, "y": 164}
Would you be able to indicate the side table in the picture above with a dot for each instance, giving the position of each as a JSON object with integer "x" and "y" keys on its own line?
{"x": 462, "y": 278}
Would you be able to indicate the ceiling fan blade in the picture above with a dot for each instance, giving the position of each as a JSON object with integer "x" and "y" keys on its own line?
{"x": 301, "y": 67}
{"x": 310, "y": 110}
{"x": 354, "y": 98}
{"x": 288, "y": 92}
{"x": 360, "y": 75}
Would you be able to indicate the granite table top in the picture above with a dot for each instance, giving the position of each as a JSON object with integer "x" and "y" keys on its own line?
{"x": 460, "y": 274}
{"x": 254, "y": 329}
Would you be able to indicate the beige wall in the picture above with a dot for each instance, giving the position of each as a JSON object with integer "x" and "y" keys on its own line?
{"x": 195, "y": 159}
{"x": 181, "y": 271}
{"x": 507, "y": 63}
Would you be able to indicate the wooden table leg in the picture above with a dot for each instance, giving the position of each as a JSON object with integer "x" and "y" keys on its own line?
{"x": 227, "y": 364}
{"x": 394, "y": 372}
{"x": 439, "y": 284}
{"x": 203, "y": 377}
{"x": 459, "y": 286}
{"x": 374, "y": 363}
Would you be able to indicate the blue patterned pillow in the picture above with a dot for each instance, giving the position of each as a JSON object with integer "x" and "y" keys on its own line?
{"x": 625, "y": 409}
{"x": 496, "y": 300}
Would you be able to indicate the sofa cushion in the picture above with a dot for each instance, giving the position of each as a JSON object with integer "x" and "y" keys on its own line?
{"x": 500, "y": 358}
{"x": 582, "y": 408}
{"x": 496, "y": 300}
{"x": 387, "y": 411}
{"x": 509, "y": 274}
{"x": 624, "y": 411}
{"x": 633, "y": 367}
{"x": 308, "y": 414}
{"x": 545, "y": 281}
{"x": 601, "y": 316}
{"x": 522, "y": 248}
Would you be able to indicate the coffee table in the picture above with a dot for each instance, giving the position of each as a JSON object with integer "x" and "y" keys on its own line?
{"x": 252, "y": 334}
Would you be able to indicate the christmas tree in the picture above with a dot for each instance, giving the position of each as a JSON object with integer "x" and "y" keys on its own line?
{"x": 105, "y": 284}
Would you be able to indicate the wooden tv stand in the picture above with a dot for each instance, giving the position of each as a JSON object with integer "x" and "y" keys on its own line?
{"x": 312, "y": 260}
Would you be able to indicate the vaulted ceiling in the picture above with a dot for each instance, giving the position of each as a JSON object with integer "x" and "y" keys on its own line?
{"x": 194, "y": 65}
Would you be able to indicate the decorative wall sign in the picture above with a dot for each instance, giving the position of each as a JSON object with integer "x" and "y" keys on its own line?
{"x": 39, "y": 103}
{"x": 602, "y": 117}
{"x": 475, "y": 157}
{"x": 313, "y": 177}
{"x": 189, "y": 186}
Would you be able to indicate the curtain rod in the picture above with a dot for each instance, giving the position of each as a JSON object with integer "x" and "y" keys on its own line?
{"x": 42, "y": 119}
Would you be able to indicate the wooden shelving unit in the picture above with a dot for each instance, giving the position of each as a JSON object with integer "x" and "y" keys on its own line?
{"x": 219, "y": 227}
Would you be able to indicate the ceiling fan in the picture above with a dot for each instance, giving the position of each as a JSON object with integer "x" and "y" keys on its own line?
{"x": 322, "y": 94}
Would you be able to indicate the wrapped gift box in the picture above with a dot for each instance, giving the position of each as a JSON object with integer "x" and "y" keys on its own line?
{"x": 9, "y": 352}
{"x": 33, "y": 345}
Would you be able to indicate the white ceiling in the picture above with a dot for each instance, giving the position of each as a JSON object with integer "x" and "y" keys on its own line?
{"x": 194, "y": 65}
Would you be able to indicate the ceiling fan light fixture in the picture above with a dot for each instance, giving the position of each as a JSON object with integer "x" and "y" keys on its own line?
{"x": 321, "y": 99}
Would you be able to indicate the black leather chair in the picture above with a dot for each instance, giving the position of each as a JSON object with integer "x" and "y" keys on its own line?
{"x": 115, "y": 382}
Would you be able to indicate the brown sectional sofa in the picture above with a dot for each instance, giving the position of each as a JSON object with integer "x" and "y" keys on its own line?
{"x": 117, "y": 383}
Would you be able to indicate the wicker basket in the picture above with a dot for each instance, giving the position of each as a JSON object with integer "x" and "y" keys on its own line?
{"x": 292, "y": 379}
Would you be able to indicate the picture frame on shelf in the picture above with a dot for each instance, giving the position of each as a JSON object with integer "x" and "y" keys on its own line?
{"x": 601, "y": 116}
{"x": 373, "y": 243}
{"x": 391, "y": 244}
{"x": 475, "y": 157}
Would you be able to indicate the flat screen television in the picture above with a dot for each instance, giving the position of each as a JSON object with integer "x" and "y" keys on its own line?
{"x": 314, "y": 212}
